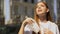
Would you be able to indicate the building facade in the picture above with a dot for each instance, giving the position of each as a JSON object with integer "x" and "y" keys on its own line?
{"x": 16, "y": 10}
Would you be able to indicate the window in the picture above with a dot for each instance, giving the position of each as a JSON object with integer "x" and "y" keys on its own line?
{"x": 25, "y": 0}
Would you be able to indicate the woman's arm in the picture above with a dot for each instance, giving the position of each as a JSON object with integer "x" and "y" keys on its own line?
{"x": 21, "y": 31}
{"x": 25, "y": 22}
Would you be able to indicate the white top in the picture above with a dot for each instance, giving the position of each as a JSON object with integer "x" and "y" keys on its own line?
{"x": 49, "y": 25}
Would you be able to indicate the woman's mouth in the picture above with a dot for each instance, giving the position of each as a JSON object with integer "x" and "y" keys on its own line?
{"x": 39, "y": 10}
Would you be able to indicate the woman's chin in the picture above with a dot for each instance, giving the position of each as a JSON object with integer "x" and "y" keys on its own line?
{"x": 41, "y": 14}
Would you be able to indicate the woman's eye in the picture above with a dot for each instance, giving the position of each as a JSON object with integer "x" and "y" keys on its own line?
{"x": 42, "y": 5}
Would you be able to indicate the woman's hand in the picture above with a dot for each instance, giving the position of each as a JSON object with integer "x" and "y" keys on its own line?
{"x": 27, "y": 21}
{"x": 47, "y": 31}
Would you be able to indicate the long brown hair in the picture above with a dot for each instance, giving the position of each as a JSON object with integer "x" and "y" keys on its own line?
{"x": 47, "y": 15}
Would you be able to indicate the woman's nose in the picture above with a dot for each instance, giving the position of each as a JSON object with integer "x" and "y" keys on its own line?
{"x": 39, "y": 7}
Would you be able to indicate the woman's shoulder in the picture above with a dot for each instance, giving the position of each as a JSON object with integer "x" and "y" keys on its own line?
{"x": 53, "y": 23}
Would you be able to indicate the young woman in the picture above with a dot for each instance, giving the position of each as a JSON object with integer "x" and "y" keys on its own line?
{"x": 43, "y": 20}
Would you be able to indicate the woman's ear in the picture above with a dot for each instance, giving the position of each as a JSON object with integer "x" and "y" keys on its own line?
{"x": 47, "y": 10}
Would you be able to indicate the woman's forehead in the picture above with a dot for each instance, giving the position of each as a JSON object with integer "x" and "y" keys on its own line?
{"x": 40, "y": 3}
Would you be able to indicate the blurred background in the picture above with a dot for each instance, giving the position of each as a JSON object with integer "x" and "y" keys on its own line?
{"x": 13, "y": 12}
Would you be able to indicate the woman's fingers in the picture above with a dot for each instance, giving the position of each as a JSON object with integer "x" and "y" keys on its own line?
{"x": 28, "y": 21}
{"x": 47, "y": 31}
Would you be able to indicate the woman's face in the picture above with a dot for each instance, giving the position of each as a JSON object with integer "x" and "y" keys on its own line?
{"x": 41, "y": 8}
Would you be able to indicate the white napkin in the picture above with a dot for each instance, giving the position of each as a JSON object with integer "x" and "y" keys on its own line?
{"x": 34, "y": 27}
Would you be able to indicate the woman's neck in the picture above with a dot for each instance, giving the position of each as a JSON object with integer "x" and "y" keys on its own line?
{"x": 43, "y": 19}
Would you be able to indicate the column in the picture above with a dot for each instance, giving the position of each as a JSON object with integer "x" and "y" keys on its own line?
{"x": 55, "y": 10}
{"x": 6, "y": 11}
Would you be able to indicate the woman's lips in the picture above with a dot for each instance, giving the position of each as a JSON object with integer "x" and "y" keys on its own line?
{"x": 39, "y": 10}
